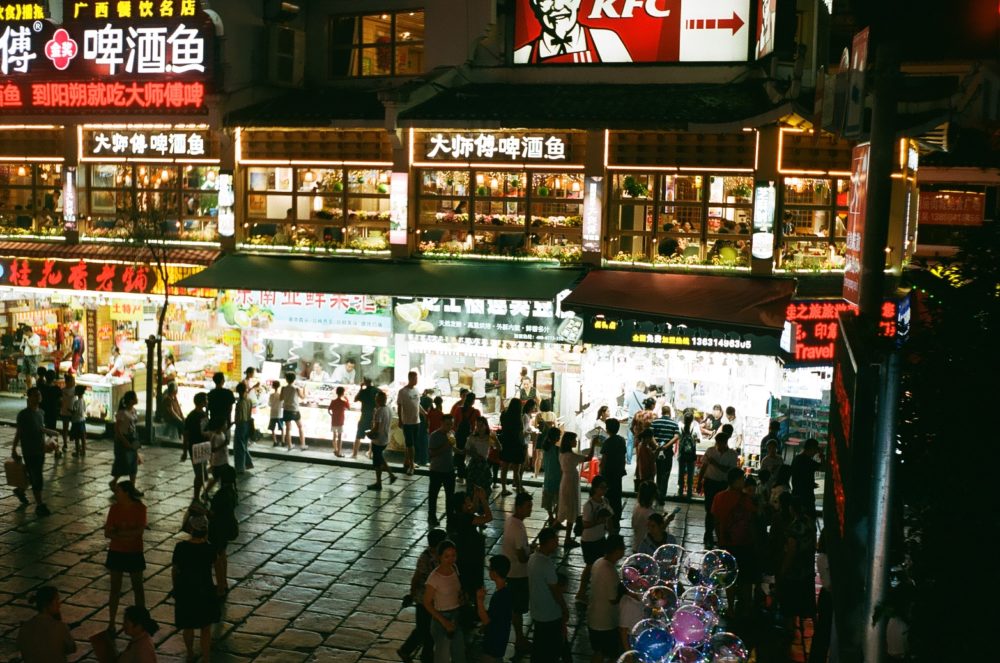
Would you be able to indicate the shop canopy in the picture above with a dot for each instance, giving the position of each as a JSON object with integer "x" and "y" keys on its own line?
{"x": 114, "y": 252}
{"x": 748, "y": 303}
{"x": 480, "y": 280}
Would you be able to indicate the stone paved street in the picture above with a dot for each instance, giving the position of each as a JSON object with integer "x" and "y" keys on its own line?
{"x": 318, "y": 570}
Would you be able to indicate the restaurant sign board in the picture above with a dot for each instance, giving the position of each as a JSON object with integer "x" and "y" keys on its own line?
{"x": 705, "y": 337}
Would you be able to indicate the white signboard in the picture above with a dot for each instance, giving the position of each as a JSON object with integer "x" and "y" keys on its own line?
{"x": 714, "y": 30}
{"x": 490, "y": 147}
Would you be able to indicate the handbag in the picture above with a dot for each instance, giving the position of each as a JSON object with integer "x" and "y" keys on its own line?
{"x": 17, "y": 474}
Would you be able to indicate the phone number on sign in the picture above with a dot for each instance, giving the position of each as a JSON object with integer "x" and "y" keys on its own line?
{"x": 721, "y": 343}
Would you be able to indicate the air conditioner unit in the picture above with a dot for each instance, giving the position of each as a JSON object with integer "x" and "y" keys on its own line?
{"x": 286, "y": 61}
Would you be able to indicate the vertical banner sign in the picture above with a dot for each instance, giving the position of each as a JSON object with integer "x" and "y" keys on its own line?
{"x": 762, "y": 245}
{"x": 69, "y": 197}
{"x": 399, "y": 191}
{"x": 593, "y": 203}
{"x": 91, "y": 341}
{"x": 855, "y": 113}
{"x": 227, "y": 202}
{"x": 856, "y": 223}
{"x": 595, "y": 31}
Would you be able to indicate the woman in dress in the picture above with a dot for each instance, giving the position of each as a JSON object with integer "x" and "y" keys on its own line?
{"x": 569, "y": 485}
{"x": 512, "y": 448}
{"x": 126, "y": 461}
{"x": 195, "y": 603}
{"x": 552, "y": 474}
{"x": 443, "y": 599}
{"x": 124, "y": 526}
{"x": 477, "y": 448}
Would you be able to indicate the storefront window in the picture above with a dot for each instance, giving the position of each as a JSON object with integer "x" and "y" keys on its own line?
{"x": 183, "y": 197}
{"x": 384, "y": 44}
{"x": 30, "y": 199}
{"x": 681, "y": 219}
{"x": 513, "y": 213}
{"x": 814, "y": 223}
{"x": 326, "y": 208}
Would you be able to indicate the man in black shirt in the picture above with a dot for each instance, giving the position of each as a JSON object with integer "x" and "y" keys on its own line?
{"x": 613, "y": 469}
{"x": 195, "y": 425}
{"x": 30, "y": 434}
{"x": 220, "y": 404}
{"x": 51, "y": 401}
{"x": 804, "y": 469}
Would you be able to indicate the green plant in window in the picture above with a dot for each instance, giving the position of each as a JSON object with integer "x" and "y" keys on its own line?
{"x": 741, "y": 190}
{"x": 633, "y": 188}
{"x": 543, "y": 191}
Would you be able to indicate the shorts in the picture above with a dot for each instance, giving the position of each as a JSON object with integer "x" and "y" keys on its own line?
{"x": 78, "y": 430}
{"x": 605, "y": 642}
{"x": 33, "y": 466}
{"x": 378, "y": 455}
{"x": 275, "y": 422}
{"x": 125, "y": 562}
{"x": 592, "y": 550}
{"x": 287, "y": 416}
{"x": 30, "y": 364}
{"x": 518, "y": 594}
{"x": 410, "y": 432}
{"x": 337, "y": 429}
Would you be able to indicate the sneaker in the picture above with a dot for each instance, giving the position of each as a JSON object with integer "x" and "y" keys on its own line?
{"x": 392, "y": 478}
{"x": 43, "y": 510}
{"x": 375, "y": 486}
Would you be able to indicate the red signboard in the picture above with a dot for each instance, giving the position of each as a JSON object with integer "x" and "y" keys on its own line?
{"x": 951, "y": 208}
{"x": 596, "y": 31}
{"x": 79, "y": 275}
{"x": 125, "y": 56}
{"x": 858, "y": 199}
{"x": 816, "y": 328}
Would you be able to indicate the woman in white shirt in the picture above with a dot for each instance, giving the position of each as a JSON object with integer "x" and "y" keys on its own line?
{"x": 442, "y": 599}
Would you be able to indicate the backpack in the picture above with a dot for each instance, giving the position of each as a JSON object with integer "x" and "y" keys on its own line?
{"x": 688, "y": 448}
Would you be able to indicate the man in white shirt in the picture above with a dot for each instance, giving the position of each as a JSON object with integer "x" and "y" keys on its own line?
{"x": 548, "y": 608}
{"x": 409, "y": 411}
{"x": 715, "y": 466}
{"x": 736, "y": 440}
{"x": 516, "y": 548}
{"x": 346, "y": 373}
{"x": 602, "y": 610}
{"x": 31, "y": 347}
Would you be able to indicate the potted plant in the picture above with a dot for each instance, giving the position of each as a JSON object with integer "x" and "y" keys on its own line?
{"x": 741, "y": 192}
{"x": 633, "y": 188}
{"x": 543, "y": 191}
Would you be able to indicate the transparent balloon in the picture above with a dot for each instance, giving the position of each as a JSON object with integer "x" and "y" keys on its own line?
{"x": 633, "y": 656}
{"x": 727, "y": 648}
{"x": 685, "y": 654}
{"x": 660, "y": 601}
{"x": 692, "y": 626}
{"x": 705, "y": 598}
{"x": 652, "y": 638}
{"x": 639, "y": 573}
{"x": 719, "y": 569}
{"x": 694, "y": 571}
{"x": 670, "y": 557}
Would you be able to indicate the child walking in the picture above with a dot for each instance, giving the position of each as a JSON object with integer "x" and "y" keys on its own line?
{"x": 337, "y": 407}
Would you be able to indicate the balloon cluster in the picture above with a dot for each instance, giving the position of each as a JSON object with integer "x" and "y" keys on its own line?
{"x": 682, "y": 629}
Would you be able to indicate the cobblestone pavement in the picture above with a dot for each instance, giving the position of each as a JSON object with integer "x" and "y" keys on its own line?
{"x": 318, "y": 570}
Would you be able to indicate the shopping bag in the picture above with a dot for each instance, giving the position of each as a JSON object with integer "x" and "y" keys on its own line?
{"x": 201, "y": 452}
{"x": 17, "y": 475}
{"x": 591, "y": 470}
{"x": 104, "y": 647}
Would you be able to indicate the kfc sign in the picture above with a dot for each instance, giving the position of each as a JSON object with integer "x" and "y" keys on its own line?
{"x": 103, "y": 143}
{"x": 615, "y": 31}
{"x": 128, "y": 55}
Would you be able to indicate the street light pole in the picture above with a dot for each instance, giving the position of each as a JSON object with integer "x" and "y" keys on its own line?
{"x": 150, "y": 382}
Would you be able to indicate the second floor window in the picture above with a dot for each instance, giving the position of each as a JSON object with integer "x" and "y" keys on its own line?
{"x": 382, "y": 44}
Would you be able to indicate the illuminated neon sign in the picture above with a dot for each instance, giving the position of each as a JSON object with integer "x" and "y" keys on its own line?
{"x": 816, "y": 328}
{"x": 127, "y": 56}
{"x": 79, "y": 275}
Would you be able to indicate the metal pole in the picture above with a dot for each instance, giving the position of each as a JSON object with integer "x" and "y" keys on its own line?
{"x": 880, "y": 533}
{"x": 150, "y": 385}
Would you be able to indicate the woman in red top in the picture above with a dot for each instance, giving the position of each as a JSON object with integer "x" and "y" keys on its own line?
{"x": 124, "y": 527}
{"x": 434, "y": 414}
{"x": 337, "y": 407}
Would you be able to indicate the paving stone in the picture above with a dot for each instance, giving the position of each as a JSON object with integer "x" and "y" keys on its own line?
{"x": 292, "y": 638}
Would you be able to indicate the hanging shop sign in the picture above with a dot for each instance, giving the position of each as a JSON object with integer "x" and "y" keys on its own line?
{"x": 304, "y": 311}
{"x": 501, "y": 319}
{"x": 610, "y": 331}
{"x": 130, "y": 56}
{"x": 104, "y": 143}
{"x": 815, "y": 328}
{"x": 858, "y": 200}
{"x": 762, "y": 242}
{"x": 500, "y": 146}
{"x": 617, "y": 31}
{"x": 951, "y": 208}
{"x": 77, "y": 275}
{"x": 767, "y": 16}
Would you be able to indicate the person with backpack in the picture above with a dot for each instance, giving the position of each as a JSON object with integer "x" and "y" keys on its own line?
{"x": 687, "y": 453}
{"x": 667, "y": 434}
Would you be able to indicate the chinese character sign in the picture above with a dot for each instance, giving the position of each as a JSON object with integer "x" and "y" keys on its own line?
{"x": 77, "y": 275}
{"x": 128, "y": 54}
{"x": 951, "y": 208}
{"x": 627, "y": 332}
{"x": 501, "y": 319}
{"x": 102, "y": 143}
{"x": 304, "y": 311}
{"x": 816, "y": 329}
{"x": 601, "y": 31}
{"x": 488, "y": 147}
{"x": 856, "y": 224}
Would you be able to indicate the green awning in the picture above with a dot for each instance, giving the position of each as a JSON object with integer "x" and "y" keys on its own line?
{"x": 480, "y": 280}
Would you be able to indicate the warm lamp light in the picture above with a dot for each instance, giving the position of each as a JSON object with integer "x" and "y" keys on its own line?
{"x": 22, "y": 171}
{"x": 575, "y": 187}
{"x": 309, "y": 177}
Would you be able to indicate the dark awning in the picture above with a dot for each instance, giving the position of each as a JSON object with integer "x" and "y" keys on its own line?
{"x": 481, "y": 280}
{"x": 111, "y": 252}
{"x": 732, "y": 301}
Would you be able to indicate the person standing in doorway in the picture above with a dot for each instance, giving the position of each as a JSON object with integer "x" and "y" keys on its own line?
{"x": 409, "y": 413}
{"x": 516, "y": 548}
{"x": 366, "y": 397}
{"x": 275, "y": 424}
{"x": 666, "y": 432}
{"x": 512, "y": 449}
{"x": 548, "y": 607}
{"x": 338, "y": 409}
{"x": 30, "y": 435}
{"x": 714, "y": 478}
{"x": 381, "y": 423}
{"x": 613, "y": 460}
{"x": 291, "y": 393}
{"x": 442, "y": 470}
